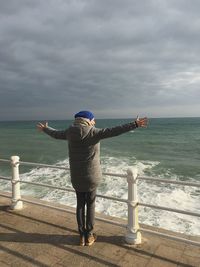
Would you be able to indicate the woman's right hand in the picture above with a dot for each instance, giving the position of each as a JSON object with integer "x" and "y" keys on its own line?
{"x": 41, "y": 126}
{"x": 142, "y": 122}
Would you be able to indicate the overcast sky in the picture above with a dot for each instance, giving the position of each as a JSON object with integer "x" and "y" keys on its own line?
{"x": 117, "y": 58}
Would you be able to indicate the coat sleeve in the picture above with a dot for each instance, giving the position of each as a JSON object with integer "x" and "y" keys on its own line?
{"x": 114, "y": 131}
{"x": 56, "y": 134}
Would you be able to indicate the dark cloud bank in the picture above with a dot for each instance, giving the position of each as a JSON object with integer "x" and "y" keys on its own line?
{"x": 116, "y": 58}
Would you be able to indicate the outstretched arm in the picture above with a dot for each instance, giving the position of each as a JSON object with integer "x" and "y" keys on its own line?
{"x": 114, "y": 131}
{"x": 43, "y": 127}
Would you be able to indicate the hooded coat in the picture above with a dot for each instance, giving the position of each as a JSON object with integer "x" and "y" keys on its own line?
{"x": 84, "y": 151}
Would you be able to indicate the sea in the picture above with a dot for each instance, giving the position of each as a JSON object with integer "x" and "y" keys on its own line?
{"x": 169, "y": 148}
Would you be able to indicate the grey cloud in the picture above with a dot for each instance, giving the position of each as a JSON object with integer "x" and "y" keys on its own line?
{"x": 63, "y": 56}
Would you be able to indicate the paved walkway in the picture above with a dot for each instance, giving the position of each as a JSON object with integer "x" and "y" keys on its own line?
{"x": 38, "y": 236}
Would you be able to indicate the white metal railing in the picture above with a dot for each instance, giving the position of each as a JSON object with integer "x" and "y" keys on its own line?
{"x": 133, "y": 233}
{"x": 152, "y": 179}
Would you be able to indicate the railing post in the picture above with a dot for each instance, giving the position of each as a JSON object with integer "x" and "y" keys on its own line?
{"x": 133, "y": 235}
{"x": 16, "y": 203}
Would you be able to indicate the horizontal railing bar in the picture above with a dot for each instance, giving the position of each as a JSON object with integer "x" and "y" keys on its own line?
{"x": 115, "y": 174}
{"x": 5, "y": 178}
{"x": 50, "y": 186}
{"x": 6, "y": 195}
{"x": 168, "y": 181}
{"x": 113, "y": 198}
{"x": 170, "y": 237}
{"x": 110, "y": 174}
{"x": 65, "y": 168}
{"x": 71, "y": 190}
{"x": 59, "y": 167}
{"x": 169, "y": 209}
{"x": 4, "y": 160}
{"x": 43, "y": 165}
{"x": 140, "y": 178}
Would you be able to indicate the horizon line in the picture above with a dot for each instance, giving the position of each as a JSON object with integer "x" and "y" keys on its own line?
{"x": 120, "y": 118}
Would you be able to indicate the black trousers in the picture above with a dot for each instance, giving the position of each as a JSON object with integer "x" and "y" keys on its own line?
{"x": 85, "y": 200}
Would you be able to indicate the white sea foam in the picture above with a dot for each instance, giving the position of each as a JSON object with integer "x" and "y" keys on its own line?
{"x": 174, "y": 196}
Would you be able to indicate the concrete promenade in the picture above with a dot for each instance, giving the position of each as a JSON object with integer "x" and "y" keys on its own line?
{"x": 39, "y": 236}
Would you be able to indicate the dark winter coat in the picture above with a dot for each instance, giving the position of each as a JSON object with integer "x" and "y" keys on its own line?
{"x": 84, "y": 151}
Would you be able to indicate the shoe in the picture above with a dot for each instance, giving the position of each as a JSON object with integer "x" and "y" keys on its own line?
{"x": 82, "y": 240}
{"x": 91, "y": 238}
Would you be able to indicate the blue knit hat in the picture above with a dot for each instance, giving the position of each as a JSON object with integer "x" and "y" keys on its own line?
{"x": 84, "y": 114}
